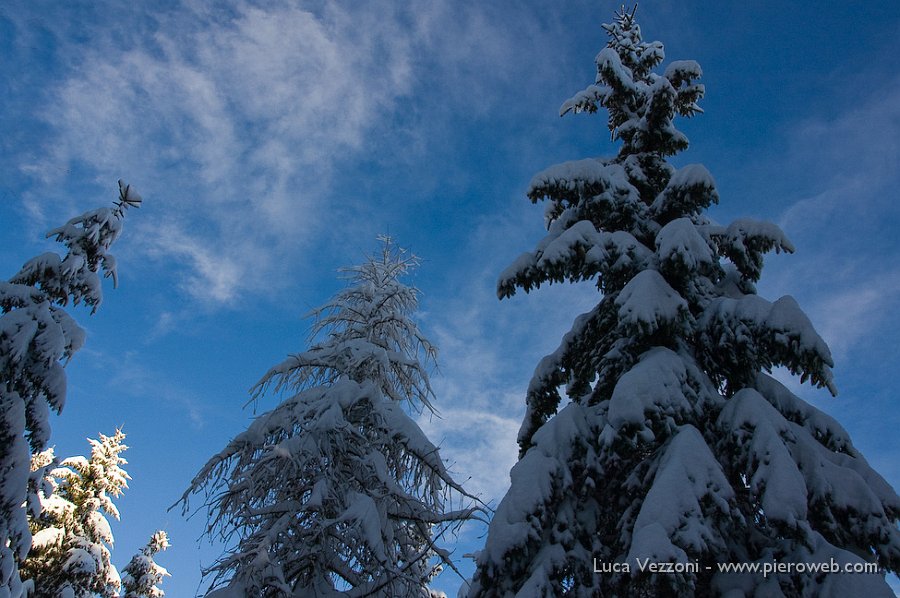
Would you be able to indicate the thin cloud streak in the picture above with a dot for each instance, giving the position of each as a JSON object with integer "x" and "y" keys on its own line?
{"x": 488, "y": 351}
{"x": 242, "y": 120}
{"x": 847, "y": 288}
{"x": 239, "y": 121}
{"x": 237, "y": 124}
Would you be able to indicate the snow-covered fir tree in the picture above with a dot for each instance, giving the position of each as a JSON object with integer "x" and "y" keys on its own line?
{"x": 37, "y": 337}
{"x": 337, "y": 491}
{"x": 676, "y": 444}
{"x": 70, "y": 553}
{"x": 141, "y": 577}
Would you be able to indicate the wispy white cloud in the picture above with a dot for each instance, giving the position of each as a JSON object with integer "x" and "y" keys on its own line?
{"x": 236, "y": 122}
{"x": 231, "y": 121}
{"x": 854, "y": 314}
{"x": 849, "y": 162}
{"x": 480, "y": 405}
{"x": 212, "y": 272}
{"x": 127, "y": 377}
{"x": 479, "y": 445}
{"x": 489, "y": 349}
{"x": 165, "y": 323}
{"x": 231, "y": 125}
{"x": 843, "y": 273}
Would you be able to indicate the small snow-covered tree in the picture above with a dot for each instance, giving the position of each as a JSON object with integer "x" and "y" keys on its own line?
{"x": 37, "y": 337}
{"x": 70, "y": 553}
{"x": 141, "y": 577}
{"x": 676, "y": 444}
{"x": 337, "y": 491}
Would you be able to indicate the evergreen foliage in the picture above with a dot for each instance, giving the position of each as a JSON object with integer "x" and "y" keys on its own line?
{"x": 37, "y": 337}
{"x": 337, "y": 491}
{"x": 142, "y": 576}
{"x": 676, "y": 444}
{"x": 70, "y": 553}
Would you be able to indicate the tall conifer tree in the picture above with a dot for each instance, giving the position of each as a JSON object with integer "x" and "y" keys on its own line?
{"x": 37, "y": 337}
{"x": 337, "y": 491}
{"x": 676, "y": 444}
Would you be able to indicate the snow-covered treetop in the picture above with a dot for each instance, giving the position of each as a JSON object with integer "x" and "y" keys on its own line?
{"x": 37, "y": 337}
{"x": 641, "y": 103}
{"x": 142, "y": 576}
{"x": 88, "y": 238}
{"x": 100, "y": 478}
{"x": 676, "y": 444}
{"x": 636, "y": 225}
{"x": 365, "y": 333}
{"x": 158, "y": 542}
{"x": 336, "y": 490}
{"x": 70, "y": 552}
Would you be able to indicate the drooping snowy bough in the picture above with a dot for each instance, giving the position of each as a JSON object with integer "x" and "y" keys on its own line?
{"x": 337, "y": 491}
{"x": 676, "y": 445}
{"x": 37, "y": 337}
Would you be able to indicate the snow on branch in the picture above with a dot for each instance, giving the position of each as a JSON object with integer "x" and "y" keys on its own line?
{"x": 337, "y": 489}
{"x": 37, "y": 337}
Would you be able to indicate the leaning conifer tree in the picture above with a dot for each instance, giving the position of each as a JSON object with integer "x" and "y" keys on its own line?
{"x": 337, "y": 491}
{"x": 676, "y": 445}
{"x": 37, "y": 337}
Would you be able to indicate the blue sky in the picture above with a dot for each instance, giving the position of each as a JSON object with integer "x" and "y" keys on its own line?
{"x": 273, "y": 141}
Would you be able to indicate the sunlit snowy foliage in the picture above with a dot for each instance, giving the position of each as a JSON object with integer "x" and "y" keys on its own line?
{"x": 70, "y": 553}
{"x": 337, "y": 491}
{"x": 37, "y": 337}
{"x": 142, "y": 576}
{"x": 675, "y": 444}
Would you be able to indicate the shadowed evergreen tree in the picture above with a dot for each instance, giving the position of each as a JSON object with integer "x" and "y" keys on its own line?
{"x": 337, "y": 491}
{"x": 37, "y": 337}
{"x": 676, "y": 444}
